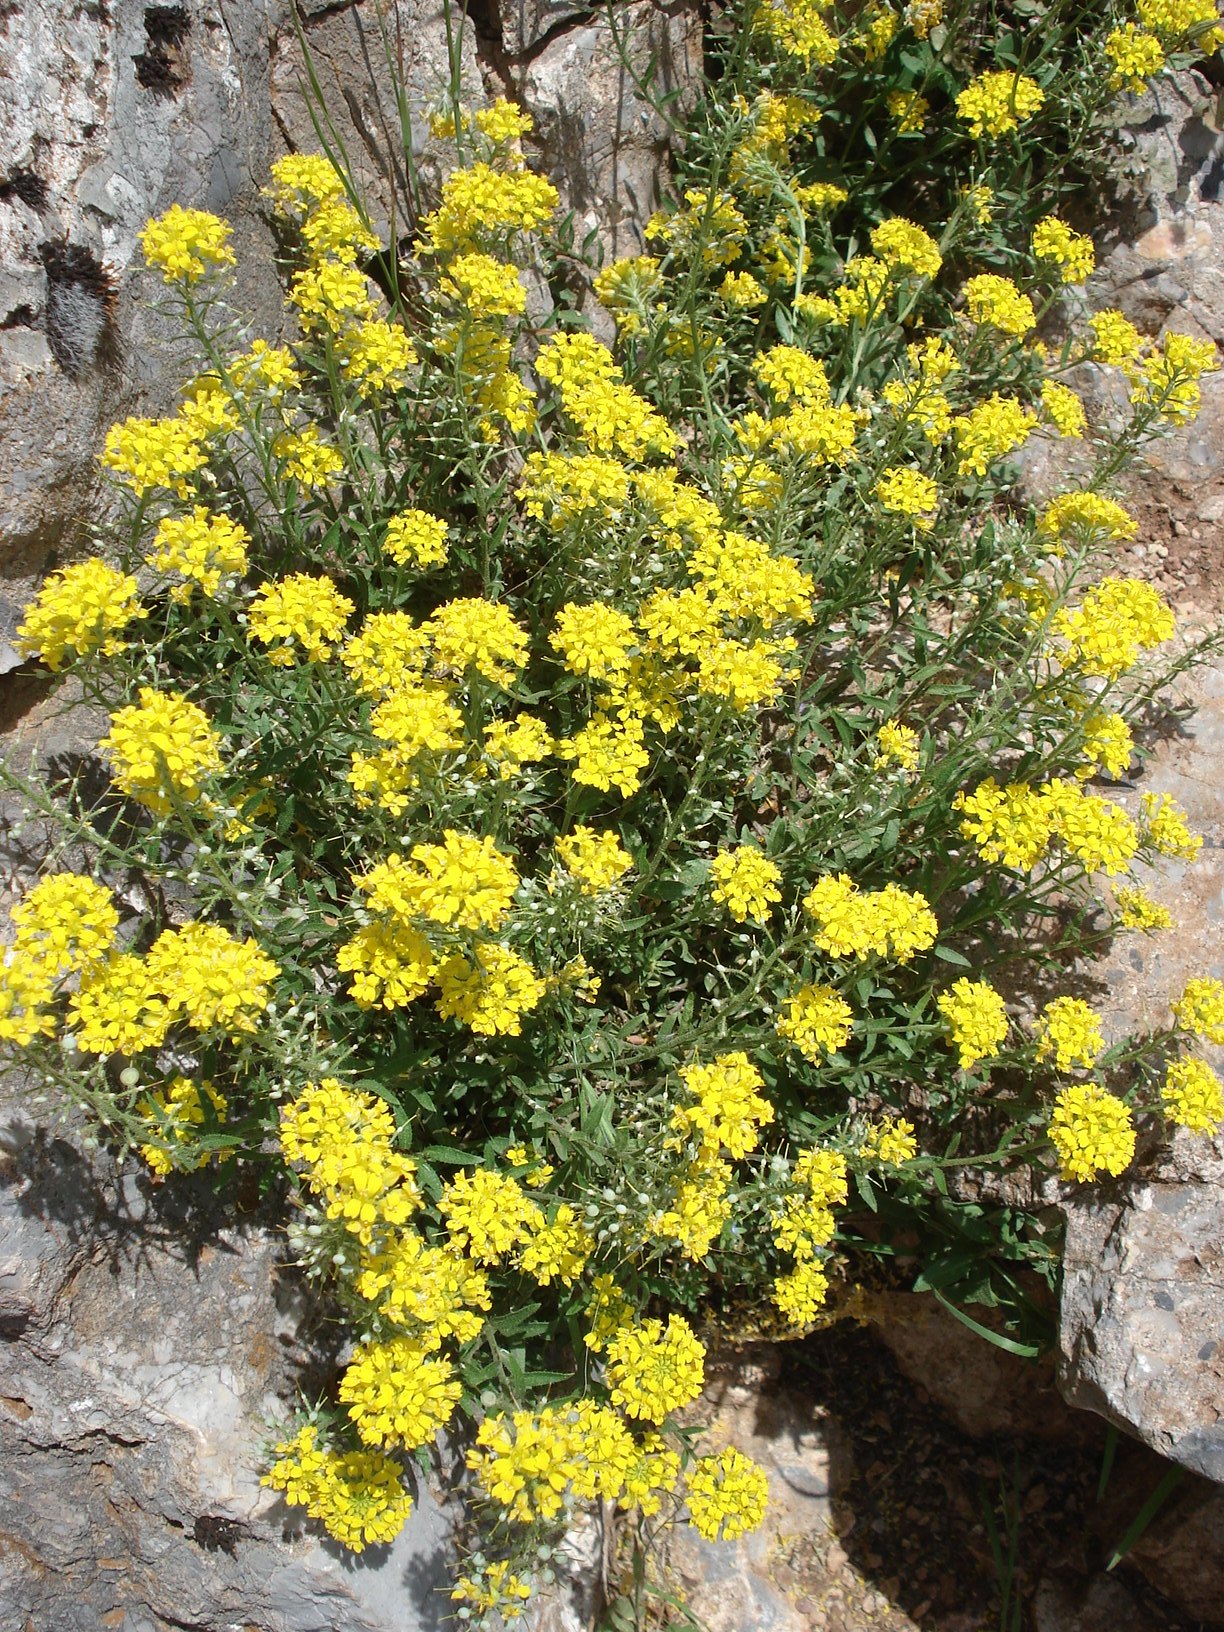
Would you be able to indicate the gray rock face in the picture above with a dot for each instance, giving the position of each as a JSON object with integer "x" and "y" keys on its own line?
{"x": 146, "y": 1344}
{"x": 1143, "y": 1317}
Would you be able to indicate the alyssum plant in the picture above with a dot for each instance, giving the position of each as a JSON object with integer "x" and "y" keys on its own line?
{"x": 588, "y": 811}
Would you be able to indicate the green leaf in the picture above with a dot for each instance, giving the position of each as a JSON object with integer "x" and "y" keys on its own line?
{"x": 948, "y": 954}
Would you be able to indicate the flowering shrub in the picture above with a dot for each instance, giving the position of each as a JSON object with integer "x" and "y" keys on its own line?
{"x": 594, "y": 806}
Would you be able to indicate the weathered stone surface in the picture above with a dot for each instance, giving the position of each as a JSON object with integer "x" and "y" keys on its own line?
{"x": 979, "y": 1387}
{"x": 1182, "y": 1554}
{"x": 147, "y": 1343}
{"x": 597, "y": 133}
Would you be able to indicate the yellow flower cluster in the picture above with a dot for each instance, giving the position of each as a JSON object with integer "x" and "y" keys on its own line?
{"x": 1108, "y": 744}
{"x": 902, "y": 245}
{"x": 653, "y": 1370}
{"x": 1167, "y": 381}
{"x": 300, "y": 610}
{"x": 1092, "y": 1131}
{"x": 490, "y": 991}
{"x": 729, "y": 1111}
{"x": 1191, "y": 22}
{"x": 976, "y": 1018}
{"x": 997, "y": 301}
{"x": 746, "y": 882}
{"x": 162, "y": 750}
{"x": 1117, "y": 620}
{"x": 306, "y": 459}
{"x": 205, "y": 549}
{"x": 1137, "y": 910}
{"x": 483, "y": 208}
{"x": 851, "y": 923}
{"x": 818, "y": 1020}
{"x": 909, "y": 109}
{"x": 1015, "y": 824}
{"x": 898, "y": 745}
{"x": 889, "y": 1142}
{"x": 908, "y": 492}
{"x": 1200, "y": 1008}
{"x": 398, "y": 1394}
{"x": 151, "y": 453}
{"x": 608, "y": 416}
{"x": 1135, "y": 57}
{"x": 1063, "y": 409}
{"x": 1070, "y": 1032}
{"x": 493, "y": 1589}
{"x": 80, "y": 612}
{"x": 185, "y": 245}
{"x": 997, "y": 102}
{"x": 1071, "y": 252}
{"x": 347, "y": 1142}
{"x": 798, "y": 28}
{"x": 1085, "y": 514}
{"x": 988, "y": 432}
{"x": 433, "y": 1292}
{"x": 597, "y": 860}
{"x": 415, "y": 539}
{"x": 1165, "y": 827}
{"x": 464, "y": 882}
{"x": 358, "y": 1496}
{"x": 1116, "y": 340}
{"x": 1192, "y": 1095}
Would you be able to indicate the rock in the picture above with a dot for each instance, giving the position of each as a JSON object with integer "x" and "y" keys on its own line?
{"x": 148, "y": 1343}
{"x": 983, "y": 1390}
{"x": 1182, "y": 1553}
{"x": 1103, "y": 1604}
{"x": 1142, "y": 1316}
{"x": 598, "y": 134}
{"x": 728, "y": 1585}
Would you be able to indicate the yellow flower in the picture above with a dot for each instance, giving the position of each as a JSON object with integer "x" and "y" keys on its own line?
{"x": 306, "y": 459}
{"x": 597, "y": 860}
{"x": 356, "y": 1495}
{"x": 1092, "y": 1132}
{"x": 997, "y": 101}
{"x": 1118, "y": 619}
{"x": 1070, "y": 1031}
{"x": 210, "y": 979}
{"x": 487, "y": 1214}
{"x": 477, "y": 634}
{"x": 1192, "y": 1095}
{"x": 745, "y": 881}
{"x": 908, "y": 492}
{"x": 185, "y": 245}
{"x": 557, "y": 1248}
{"x": 205, "y": 549}
{"x": 899, "y": 243}
{"x": 798, "y": 28}
{"x": 1085, "y": 514}
{"x": 976, "y": 1017}
{"x": 173, "y": 1116}
{"x": 79, "y": 612}
{"x": 1071, "y": 251}
{"x": 1200, "y": 1008}
{"x": 398, "y": 1394}
{"x": 997, "y": 301}
{"x": 66, "y": 921}
{"x": 1116, "y": 340}
{"x": 817, "y": 1020}
{"x": 898, "y": 745}
{"x": 890, "y": 1142}
{"x": 464, "y": 882}
{"x": 300, "y": 610}
{"x": 728, "y": 1111}
{"x": 653, "y": 1370}
{"x": 727, "y": 1495}
{"x": 162, "y": 750}
{"x": 909, "y": 110}
{"x": 994, "y": 428}
{"x": 152, "y": 453}
{"x": 801, "y": 1291}
{"x": 1136, "y": 57}
{"x": 1137, "y": 910}
{"x": 1063, "y": 409}
{"x": 415, "y": 538}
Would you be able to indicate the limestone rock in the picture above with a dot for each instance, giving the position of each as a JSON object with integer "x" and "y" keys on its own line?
{"x": 147, "y": 1341}
{"x": 1142, "y": 1314}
